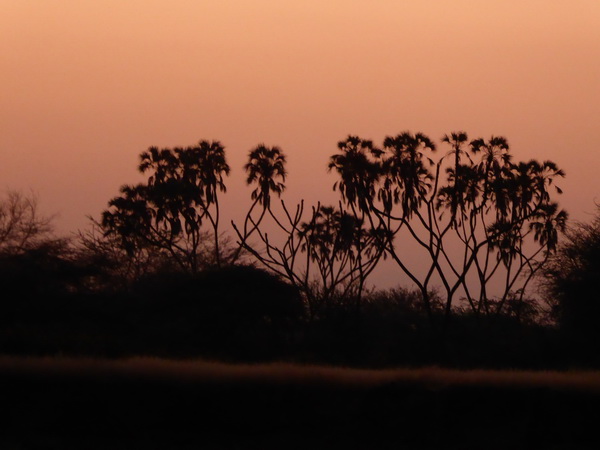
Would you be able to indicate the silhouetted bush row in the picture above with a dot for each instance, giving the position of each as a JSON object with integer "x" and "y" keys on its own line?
{"x": 241, "y": 313}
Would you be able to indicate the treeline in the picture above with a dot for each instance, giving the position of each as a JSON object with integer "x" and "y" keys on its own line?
{"x": 158, "y": 274}
{"x": 244, "y": 314}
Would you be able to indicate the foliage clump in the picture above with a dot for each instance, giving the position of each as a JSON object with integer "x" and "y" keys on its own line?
{"x": 571, "y": 280}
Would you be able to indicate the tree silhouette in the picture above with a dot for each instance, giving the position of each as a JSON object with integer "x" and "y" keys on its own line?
{"x": 357, "y": 171}
{"x": 171, "y": 209}
{"x": 499, "y": 214}
{"x": 265, "y": 171}
{"x": 22, "y": 227}
{"x": 329, "y": 255}
{"x": 264, "y": 167}
{"x": 117, "y": 267}
{"x": 343, "y": 251}
{"x": 571, "y": 282}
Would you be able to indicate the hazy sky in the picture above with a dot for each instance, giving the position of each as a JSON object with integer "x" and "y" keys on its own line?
{"x": 87, "y": 85}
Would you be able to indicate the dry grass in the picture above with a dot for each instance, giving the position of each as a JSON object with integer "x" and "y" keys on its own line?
{"x": 181, "y": 404}
{"x": 199, "y": 371}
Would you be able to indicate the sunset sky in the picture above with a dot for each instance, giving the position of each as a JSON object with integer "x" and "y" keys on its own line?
{"x": 88, "y": 85}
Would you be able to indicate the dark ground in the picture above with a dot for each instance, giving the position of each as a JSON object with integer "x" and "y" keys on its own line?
{"x": 153, "y": 404}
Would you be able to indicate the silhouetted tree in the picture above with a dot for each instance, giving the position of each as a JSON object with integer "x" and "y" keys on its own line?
{"x": 21, "y": 226}
{"x": 572, "y": 282}
{"x": 172, "y": 209}
{"x": 117, "y": 267}
{"x": 343, "y": 252}
{"x": 498, "y": 213}
{"x": 34, "y": 264}
{"x": 330, "y": 254}
{"x": 265, "y": 170}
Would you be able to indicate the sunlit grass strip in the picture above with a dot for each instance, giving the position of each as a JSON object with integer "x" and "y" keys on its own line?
{"x": 192, "y": 371}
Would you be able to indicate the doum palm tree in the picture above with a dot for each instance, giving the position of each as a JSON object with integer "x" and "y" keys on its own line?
{"x": 170, "y": 209}
{"x": 489, "y": 207}
{"x": 266, "y": 169}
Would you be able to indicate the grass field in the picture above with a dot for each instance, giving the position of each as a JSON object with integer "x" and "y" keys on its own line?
{"x": 152, "y": 403}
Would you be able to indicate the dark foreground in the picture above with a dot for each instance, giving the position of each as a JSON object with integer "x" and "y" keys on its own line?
{"x": 157, "y": 404}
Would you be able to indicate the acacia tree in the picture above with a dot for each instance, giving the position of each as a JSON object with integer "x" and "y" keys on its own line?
{"x": 571, "y": 283}
{"x": 330, "y": 254}
{"x": 176, "y": 208}
{"x": 498, "y": 214}
{"x": 21, "y": 225}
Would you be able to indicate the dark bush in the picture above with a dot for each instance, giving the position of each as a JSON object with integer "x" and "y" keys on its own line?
{"x": 572, "y": 281}
{"x": 236, "y": 311}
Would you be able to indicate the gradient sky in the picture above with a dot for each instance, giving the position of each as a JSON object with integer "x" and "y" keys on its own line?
{"x": 88, "y": 85}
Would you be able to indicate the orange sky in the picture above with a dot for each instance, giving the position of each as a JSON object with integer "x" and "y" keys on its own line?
{"x": 86, "y": 86}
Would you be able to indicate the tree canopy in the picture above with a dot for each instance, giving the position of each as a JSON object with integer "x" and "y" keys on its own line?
{"x": 174, "y": 208}
{"x": 478, "y": 217}
{"x": 571, "y": 279}
{"x": 498, "y": 213}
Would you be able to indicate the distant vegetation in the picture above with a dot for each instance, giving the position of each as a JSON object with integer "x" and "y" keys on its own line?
{"x": 157, "y": 274}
